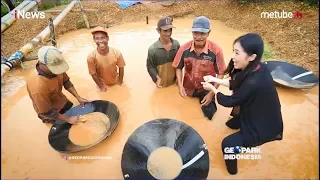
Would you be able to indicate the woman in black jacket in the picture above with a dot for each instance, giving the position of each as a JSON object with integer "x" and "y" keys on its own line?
{"x": 254, "y": 97}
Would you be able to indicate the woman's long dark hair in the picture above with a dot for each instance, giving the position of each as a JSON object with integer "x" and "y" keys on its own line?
{"x": 251, "y": 43}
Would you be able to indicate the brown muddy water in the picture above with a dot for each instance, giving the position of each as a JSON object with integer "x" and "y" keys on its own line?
{"x": 26, "y": 152}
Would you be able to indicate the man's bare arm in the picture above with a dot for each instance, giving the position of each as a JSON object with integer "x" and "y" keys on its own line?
{"x": 179, "y": 77}
{"x": 121, "y": 74}
{"x": 53, "y": 115}
{"x": 97, "y": 80}
{"x": 73, "y": 91}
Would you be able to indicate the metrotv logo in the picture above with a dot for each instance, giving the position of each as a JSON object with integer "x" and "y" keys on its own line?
{"x": 28, "y": 15}
{"x": 281, "y": 15}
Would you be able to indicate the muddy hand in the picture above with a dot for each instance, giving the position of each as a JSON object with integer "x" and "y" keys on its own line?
{"x": 206, "y": 100}
{"x": 82, "y": 119}
{"x": 73, "y": 120}
{"x": 119, "y": 83}
{"x": 83, "y": 101}
{"x": 158, "y": 83}
{"x": 103, "y": 89}
{"x": 182, "y": 92}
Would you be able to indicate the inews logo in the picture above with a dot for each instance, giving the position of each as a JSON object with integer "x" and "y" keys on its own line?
{"x": 28, "y": 15}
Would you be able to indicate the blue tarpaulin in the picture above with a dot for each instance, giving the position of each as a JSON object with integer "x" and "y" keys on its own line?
{"x": 125, "y": 4}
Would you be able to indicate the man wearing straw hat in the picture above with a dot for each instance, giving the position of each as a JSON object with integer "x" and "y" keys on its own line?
{"x": 104, "y": 61}
{"x": 45, "y": 87}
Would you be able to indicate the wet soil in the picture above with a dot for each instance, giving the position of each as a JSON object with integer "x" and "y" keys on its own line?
{"x": 293, "y": 40}
{"x": 27, "y": 153}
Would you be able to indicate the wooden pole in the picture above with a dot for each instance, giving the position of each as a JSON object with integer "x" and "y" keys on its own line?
{"x": 17, "y": 56}
{"x": 84, "y": 15}
{"x": 52, "y": 33}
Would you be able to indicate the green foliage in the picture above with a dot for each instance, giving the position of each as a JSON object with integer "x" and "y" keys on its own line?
{"x": 312, "y": 3}
{"x": 4, "y": 10}
{"x": 51, "y": 4}
{"x": 80, "y": 24}
{"x": 268, "y": 53}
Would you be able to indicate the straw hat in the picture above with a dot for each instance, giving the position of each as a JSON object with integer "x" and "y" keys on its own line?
{"x": 99, "y": 29}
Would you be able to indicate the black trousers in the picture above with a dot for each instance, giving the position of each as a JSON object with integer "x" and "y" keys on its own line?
{"x": 238, "y": 139}
{"x": 233, "y": 140}
{"x": 208, "y": 110}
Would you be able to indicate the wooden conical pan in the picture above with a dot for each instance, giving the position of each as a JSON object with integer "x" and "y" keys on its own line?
{"x": 59, "y": 132}
{"x": 291, "y": 76}
{"x": 166, "y": 133}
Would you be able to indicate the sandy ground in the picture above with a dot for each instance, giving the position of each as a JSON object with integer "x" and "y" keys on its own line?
{"x": 293, "y": 40}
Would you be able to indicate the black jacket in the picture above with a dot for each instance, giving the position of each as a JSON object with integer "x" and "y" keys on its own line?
{"x": 260, "y": 108}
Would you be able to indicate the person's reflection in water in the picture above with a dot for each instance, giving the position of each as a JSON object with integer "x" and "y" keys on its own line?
{"x": 199, "y": 57}
{"x": 161, "y": 54}
{"x": 254, "y": 96}
{"x": 104, "y": 61}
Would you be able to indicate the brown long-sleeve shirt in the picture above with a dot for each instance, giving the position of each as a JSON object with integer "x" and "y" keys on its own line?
{"x": 46, "y": 94}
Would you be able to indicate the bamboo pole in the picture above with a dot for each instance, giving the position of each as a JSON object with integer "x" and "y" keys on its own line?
{"x": 8, "y": 22}
{"x": 17, "y": 56}
{"x": 30, "y": 58}
{"x": 84, "y": 15}
{"x": 11, "y": 13}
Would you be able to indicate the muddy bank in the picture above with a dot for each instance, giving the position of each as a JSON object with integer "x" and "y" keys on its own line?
{"x": 293, "y": 40}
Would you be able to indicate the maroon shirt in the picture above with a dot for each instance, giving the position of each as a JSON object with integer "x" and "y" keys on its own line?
{"x": 210, "y": 62}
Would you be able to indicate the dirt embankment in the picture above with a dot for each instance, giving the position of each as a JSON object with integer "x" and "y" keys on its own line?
{"x": 294, "y": 40}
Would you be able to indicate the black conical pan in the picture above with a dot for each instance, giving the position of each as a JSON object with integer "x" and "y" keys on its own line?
{"x": 59, "y": 132}
{"x": 291, "y": 76}
{"x": 170, "y": 133}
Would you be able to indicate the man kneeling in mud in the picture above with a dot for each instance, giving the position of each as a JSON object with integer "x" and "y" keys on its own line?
{"x": 199, "y": 57}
